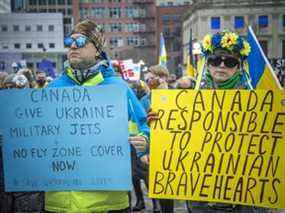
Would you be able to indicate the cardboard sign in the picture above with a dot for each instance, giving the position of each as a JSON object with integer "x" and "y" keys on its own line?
{"x": 65, "y": 139}
{"x": 219, "y": 146}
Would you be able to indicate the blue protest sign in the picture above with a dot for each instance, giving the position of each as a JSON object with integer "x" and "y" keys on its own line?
{"x": 65, "y": 139}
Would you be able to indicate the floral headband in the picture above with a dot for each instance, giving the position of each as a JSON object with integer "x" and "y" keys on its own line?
{"x": 225, "y": 40}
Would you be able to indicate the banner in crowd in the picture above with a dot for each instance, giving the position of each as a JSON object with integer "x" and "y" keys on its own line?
{"x": 219, "y": 146}
{"x": 59, "y": 139}
{"x": 130, "y": 70}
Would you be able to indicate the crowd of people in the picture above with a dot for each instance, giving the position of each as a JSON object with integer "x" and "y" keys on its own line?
{"x": 89, "y": 65}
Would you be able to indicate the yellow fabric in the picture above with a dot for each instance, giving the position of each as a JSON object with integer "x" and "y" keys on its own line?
{"x": 133, "y": 128}
{"x": 190, "y": 71}
{"x": 90, "y": 82}
{"x": 85, "y": 201}
{"x": 201, "y": 65}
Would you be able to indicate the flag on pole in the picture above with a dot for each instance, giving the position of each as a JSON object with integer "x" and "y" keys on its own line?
{"x": 260, "y": 71}
{"x": 190, "y": 70}
{"x": 162, "y": 52}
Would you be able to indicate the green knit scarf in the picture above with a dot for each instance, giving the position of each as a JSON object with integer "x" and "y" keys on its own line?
{"x": 231, "y": 83}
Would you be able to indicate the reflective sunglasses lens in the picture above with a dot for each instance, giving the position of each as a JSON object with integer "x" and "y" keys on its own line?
{"x": 68, "y": 42}
{"x": 81, "y": 41}
{"x": 215, "y": 60}
{"x": 231, "y": 62}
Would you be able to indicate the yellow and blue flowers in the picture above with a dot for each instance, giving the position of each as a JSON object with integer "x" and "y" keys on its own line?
{"x": 225, "y": 40}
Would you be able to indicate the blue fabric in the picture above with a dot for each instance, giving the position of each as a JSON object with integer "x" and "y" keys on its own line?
{"x": 145, "y": 101}
{"x": 255, "y": 61}
{"x": 136, "y": 112}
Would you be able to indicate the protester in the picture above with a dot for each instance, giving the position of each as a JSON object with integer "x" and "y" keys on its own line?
{"x": 225, "y": 54}
{"x": 140, "y": 170}
{"x": 157, "y": 77}
{"x": 88, "y": 65}
{"x": 185, "y": 82}
{"x": 18, "y": 202}
{"x": 41, "y": 80}
{"x": 29, "y": 75}
{"x": 172, "y": 81}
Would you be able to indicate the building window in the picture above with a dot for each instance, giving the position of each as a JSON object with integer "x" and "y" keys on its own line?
{"x": 132, "y": 41}
{"x": 51, "y": 28}
{"x": 17, "y": 46}
{"x": 5, "y": 46}
{"x": 60, "y": 2}
{"x": 43, "y": 10}
{"x": 264, "y": 46}
{"x": 114, "y": 42}
{"x": 283, "y": 21}
{"x": 52, "y": 10}
{"x": 33, "y": 2}
{"x": 51, "y": 45}
{"x": 16, "y": 28}
{"x": 69, "y": 2}
{"x": 39, "y": 28}
{"x": 4, "y": 28}
{"x": 116, "y": 27}
{"x": 263, "y": 21}
{"x": 28, "y": 45}
{"x": 215, "y": 23}
{"x": 143, "y": 42}
{"x": 40, "y": 45}
{"x": 115, "y": 12}
{"x": 239, "y": 22}
{"x": 69, "y": 11}
{"x": 61, "y": 11}
{"x": 28, "y": 28}
{"x": 98, "y": 12}
{"x": 51, "y": 2}
{"x": 42, "y": 2}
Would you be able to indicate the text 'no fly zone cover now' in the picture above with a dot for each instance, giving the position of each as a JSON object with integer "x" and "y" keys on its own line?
{"x": 219, "y": 146}
{"x": 65, "y": 139}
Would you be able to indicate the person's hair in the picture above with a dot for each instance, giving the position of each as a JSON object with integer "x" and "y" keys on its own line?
{"x": 93, "y": 31}
{"x": 9, "y": 80}
{"x": 181, "y": 80}
{"x": 159, "y": 70}
{"x": 3, "y": 75}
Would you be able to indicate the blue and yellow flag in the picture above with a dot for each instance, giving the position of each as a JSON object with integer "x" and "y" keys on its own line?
{"x": 162, "y": 52}
{"x": 260, "y": 71}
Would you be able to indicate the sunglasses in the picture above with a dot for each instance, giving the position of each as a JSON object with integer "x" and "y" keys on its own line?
{"x": 216, "y": 61}
{"x": 80, "y": 41}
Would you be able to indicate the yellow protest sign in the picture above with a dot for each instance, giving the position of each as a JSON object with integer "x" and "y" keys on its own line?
{"x": 219, "y": 146}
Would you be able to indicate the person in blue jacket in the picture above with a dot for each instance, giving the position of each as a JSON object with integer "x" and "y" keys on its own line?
{"x": 88, "y": 65}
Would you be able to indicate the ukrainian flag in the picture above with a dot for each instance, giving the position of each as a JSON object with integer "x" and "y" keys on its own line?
{"x": 162, "y": 52}
{"x": 260, "y": 71}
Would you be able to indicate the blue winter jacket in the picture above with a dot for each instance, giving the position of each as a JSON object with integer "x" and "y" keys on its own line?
{"x": 96, "y": 201}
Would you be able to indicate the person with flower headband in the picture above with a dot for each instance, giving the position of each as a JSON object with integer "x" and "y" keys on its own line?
{"x": 225, "y": 57}
{"x": 225, "y": 54}
{"x": 88, "y": 65}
